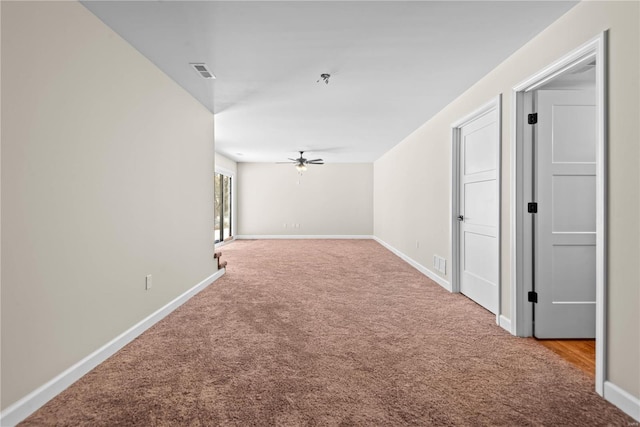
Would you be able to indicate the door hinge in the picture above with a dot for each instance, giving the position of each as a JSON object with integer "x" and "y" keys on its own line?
{"x": 532, "y": 118}
{"x": 532, "y": 207}
{"x": 532, "y": 296}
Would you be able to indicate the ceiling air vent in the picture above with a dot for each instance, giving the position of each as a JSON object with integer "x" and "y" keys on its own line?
{"x": 203, "y": 70}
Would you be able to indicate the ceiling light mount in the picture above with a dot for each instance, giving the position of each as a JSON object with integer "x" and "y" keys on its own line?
{"x": 324, "y": 77}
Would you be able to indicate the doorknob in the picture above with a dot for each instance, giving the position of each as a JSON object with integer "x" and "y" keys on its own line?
{"x": 460, "y": 218}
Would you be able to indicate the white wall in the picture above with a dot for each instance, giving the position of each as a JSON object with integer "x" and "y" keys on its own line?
{"x": 411, "y": 180}
{"x": 332, "y": 199}
{"x": 226, "y": 163}
{"x": 106, "y": 177}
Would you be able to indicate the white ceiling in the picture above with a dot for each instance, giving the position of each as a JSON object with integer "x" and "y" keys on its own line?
{"x": 393, "y": 65}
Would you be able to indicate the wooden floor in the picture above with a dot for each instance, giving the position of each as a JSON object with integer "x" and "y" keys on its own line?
{"x": 581, "y": 353}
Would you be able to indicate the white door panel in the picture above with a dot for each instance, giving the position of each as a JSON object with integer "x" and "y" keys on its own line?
{"x": 573, "y": 198}
{"x": 480, "y": 150}
{"x": 574, "y": 263}
{"x": 573, "y": 144}
{"x": 479, "y": 261}
{"x": 565, "y": 225}
{"x": 480, "y": 203}
{"x": 478, "y": 206}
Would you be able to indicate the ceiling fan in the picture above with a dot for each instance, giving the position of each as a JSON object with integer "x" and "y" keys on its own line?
{"x": 301, "y": 163}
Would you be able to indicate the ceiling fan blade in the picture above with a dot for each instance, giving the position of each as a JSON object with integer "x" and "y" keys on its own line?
{"x": 293, "y": 160}
{"x": 314, "y": 160}
{"x": 316, "y": 163}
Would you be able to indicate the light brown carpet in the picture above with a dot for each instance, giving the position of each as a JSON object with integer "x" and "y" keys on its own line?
{"x": 328, "y": 333}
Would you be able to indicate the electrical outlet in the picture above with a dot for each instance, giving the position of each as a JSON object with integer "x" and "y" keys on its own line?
{"x": 148, "y": 282}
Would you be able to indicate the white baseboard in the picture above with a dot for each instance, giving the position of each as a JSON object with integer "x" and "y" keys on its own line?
{"x": 421, "y": 268}
{"x": 505, "y": 323}
{"x": 220, "y": 244}
{"x": 24, "y": 407}
{"x": 629, "y": 404}
{"x": 302, "y": 236}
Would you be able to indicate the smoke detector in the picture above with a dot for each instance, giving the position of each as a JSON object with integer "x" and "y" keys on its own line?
{"x": 202, "y": 69}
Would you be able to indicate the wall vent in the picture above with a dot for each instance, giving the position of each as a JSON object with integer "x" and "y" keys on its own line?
{"x": 202, "y": 69}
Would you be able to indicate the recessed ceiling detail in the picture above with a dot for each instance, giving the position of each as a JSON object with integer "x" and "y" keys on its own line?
{"x": 201, "y": 68}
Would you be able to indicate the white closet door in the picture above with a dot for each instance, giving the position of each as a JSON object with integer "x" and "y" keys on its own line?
{"x": 565, "y": 225}
{"x": 479, "y": 214}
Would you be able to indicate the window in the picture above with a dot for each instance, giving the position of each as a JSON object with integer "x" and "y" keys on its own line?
{"x": 223, "y": 204}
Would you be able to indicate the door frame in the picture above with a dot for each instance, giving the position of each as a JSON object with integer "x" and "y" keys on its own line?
{"x": 234, "y": 217}
{"x": 495, "y": 104}
{"x": 521, "y": 193}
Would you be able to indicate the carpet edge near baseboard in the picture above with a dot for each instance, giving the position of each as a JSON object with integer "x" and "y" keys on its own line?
{"x": 33, "y": 401}
{"x": 625, "y": 401}
{"x": 415, "y": 264}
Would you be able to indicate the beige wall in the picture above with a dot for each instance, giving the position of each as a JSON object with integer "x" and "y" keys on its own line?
{"x": 106, "y": 177}
{"x": 411, "y": 180}
{"x": 333, "y": 199}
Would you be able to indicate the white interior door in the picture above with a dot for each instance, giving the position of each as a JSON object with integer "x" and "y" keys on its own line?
{"x": 565, "y": 224}
{"x": 478, "y": 206}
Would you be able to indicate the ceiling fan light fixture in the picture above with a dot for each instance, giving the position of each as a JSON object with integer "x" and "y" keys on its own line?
{"x": 301, "y": 167}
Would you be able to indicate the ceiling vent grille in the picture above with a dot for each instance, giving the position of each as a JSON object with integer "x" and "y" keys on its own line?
{"x": 202, "y": 69}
